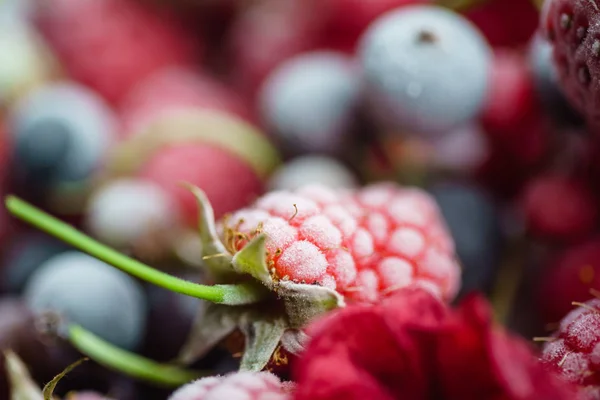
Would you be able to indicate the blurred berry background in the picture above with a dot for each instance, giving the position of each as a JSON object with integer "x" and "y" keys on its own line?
{"x": 107, "y": 105}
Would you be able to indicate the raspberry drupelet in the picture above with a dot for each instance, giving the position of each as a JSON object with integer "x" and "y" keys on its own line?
{"x": 574, "y": 350}
{"x": 363, "y": 244}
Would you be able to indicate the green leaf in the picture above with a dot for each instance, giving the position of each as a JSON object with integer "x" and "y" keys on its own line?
{"x": 211, "y": 325}
{"x": 305, "y": 302}
{"x": 50, "y": 386}
{"x": 252, "y": 260}
{"x": 22, "y": 387}
{"x": 262, "y": 338}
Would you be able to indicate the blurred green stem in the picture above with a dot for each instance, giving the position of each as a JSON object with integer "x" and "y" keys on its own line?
{"x": 243, "y": 293}
{"x": 128, "y": 363}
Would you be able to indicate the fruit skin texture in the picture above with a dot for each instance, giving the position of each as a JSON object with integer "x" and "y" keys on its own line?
{"x": 91, "y": 293}
{"x": 411, "y": 58}
{"x": 575, "y": 350}
{"x": 559, "y": 208}
{"x": 110, "y": 45}
{"x": 572, "y": 28}
{"x": 235, "y": 386}
{"x": 364, "y": 244}
{"x": 570, "y": 277}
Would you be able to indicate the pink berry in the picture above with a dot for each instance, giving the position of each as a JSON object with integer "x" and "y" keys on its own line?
{"x": 559, "y": 208}
{"x": 410, "y": 242}
{"x": 229, "y": 182}
{"x": 235, "y": 386}
{"x": 175, "y": 89}
{"x": 111, "y": 45}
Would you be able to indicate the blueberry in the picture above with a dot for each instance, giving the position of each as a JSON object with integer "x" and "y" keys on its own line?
{"x": 91, "y": 293}
{"x": 312, "y": 169}
{"x": 61, "y": 133}
{"x": 309, "y": 102}
{"x": 475, "y": 226}
{"x": 122, "y": 212}
{"x": 425, "y": 69}
{"x": 545, "y": 79}
{"x": 26, "y": 253}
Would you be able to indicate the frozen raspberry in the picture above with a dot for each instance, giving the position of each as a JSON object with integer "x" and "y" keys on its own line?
{"x": 235, "y": 386}
{"x": 311, "y": 237}
{"x": 559, "y": 208}
{"x": 174, "y": 89}
{"x": 572, "y": 28}
{"x": 111, "y": 45}
{"x": 401, "y": 239}
{"x": 574, "y": 350}
{"x": 572, "y": 274}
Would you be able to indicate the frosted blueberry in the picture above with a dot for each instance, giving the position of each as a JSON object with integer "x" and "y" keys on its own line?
{"x": 425, "y": 69}
{"x": 61, "y": 132}
{"x": 311, "y": 169}
{"x": 309, "y": 102}
{"x": 92, "y": 294}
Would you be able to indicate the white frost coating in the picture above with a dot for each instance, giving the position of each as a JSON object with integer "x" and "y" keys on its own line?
{"x": 279, "y": 234}
{"x": 363, "y": 245}
{"x": 395, "y": 272}
{"x": 287, "y": 205}
{"x": 121, "y": 212}
{"x": 91, "y": 293}
{"x": 302, "y": 261}
{"x": 306, "y": 170}
{"x": 407, "y": 241}
{"x": 309, "y": 100}
{"x": 93, "y": 124}
{"x": 320, "y": 231}
{"x": 404, "y": 210}
{"x": 425, "y": 69}
{"x": 379, "y": 227}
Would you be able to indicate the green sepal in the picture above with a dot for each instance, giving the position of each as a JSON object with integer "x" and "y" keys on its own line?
{"x": 211, "y": 325}
{"x": 252, "y": 260}
{"x": 262, "y": 338}
{"x": 22, "y": 386}
{"x": 294, "y": 341}
{"x": 215, "y": 255}
{"x": 303, "y": 302}
{"x": 48, "y": 391}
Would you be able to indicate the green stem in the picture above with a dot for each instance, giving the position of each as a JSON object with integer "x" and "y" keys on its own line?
{"x": 128, "y": 363}
{"x": 243, "y": 293}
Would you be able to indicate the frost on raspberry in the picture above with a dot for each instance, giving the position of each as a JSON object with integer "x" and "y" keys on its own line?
{"x": 401, "y": 240}
{"x": 574, "y": 350}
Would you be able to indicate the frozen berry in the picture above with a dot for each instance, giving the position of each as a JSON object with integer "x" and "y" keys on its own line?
{"x": 284, "y": 28}
{"x": 559, "y": 208}
{"x": 236, "y": 386}
{"x": 475, "y": 227}
{"x": 574, "y": 350}
{"x": 545, "y": 79}
{"x": 309, "y": 102}
{"x": 121, "y": 212}
{"x": 411, "y": 59}
{"x": 25, "y": 254}
{"x": 111, "y": 45}
{"x": 91, "y": 293}
{"x": 61, "y": 134}
{"x": 569, "y": 277}
{"x": 572, "y": 30}
{"x": 401, "y": 239}
{"x": 311, "y": 169}
{"x": 175, "y": 89}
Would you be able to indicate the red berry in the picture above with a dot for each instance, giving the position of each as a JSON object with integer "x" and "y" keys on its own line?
{"x": 229, "y": 181}
{"x": 570, "y": 278}
{"x": 174, "y": 89}
{"x": 496, "y": 19}
{"x": 559, "y": 208}
{"x": 575, "y": 348}
{"x": 572, "y": 28}
{"x": 110, "y": 45}
{"x": 240, "y": 385}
